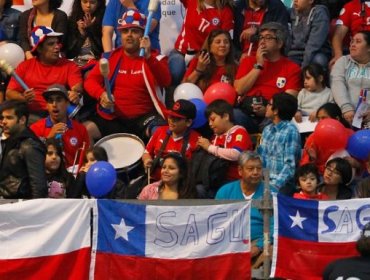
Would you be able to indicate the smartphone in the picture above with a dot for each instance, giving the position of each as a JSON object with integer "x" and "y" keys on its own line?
{"x": 203, "y": 52}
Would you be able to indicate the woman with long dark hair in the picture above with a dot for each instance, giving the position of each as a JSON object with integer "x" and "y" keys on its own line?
{"x": 174, "y": 183}
{"x": 215, "y": 63}
{"x": 202, "y": 16}
{"x": 43, "y": 13}
{"x": 85, "y": 30}
{"x": 59, "y": 181}
{"x": 337, "y": 176}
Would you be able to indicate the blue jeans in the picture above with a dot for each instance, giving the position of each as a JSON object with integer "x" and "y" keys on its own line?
{"x": 318, "y": 58}
{"x": 176, "y": 63}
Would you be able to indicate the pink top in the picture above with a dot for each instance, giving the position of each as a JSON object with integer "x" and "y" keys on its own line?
{"x": 150, "y": 192}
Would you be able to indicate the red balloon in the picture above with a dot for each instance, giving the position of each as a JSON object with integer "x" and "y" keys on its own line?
{"x": 220, "y": 90}
{"x": 330, "y": 135}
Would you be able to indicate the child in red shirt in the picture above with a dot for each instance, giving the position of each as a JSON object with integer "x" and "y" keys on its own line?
{"x": 229, "y": 140}
{"x": 308, "y": 178}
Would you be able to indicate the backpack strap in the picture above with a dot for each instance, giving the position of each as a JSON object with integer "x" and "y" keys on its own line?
{"x": 160, "y": 152}
{"x": 185, "y": 143}
{"x": 112, "y": 80}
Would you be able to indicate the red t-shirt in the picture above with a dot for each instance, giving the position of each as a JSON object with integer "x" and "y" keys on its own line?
{"x": 131, "y": 95}
{"x": 252, "y": 18}
{"x": 318, "y": 196}
{"x": 236, "y": 138}
{"x": 218, "y": 76}
{"x": 173, "y": 145}
{"x": 39, "y": 76}
{"x": 276, "y": 76}
{"x": 73, "y": 138}
{"x": 197, "y": 25}
{"x": 350, "y": 16}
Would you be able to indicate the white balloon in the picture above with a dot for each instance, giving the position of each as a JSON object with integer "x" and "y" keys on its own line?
{"x": 12, "y": 54}
{"x": 187, "y": 91}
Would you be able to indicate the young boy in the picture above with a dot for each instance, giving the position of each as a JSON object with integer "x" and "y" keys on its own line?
{"x": 180, "y": 137}
{"x": 308, "y": 179}
{"x": 229, "y": 140}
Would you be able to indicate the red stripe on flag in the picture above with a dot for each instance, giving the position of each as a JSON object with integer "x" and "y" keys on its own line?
{"x": 73, "y": 265}
{"x": 228, "y": 266}
{"x": 298, "y": 259}
{"x": 18, "y": 2}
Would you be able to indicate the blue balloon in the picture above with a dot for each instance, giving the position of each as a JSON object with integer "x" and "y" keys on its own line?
{"x": 200, "y": 118}
{"x": 101, "y": 178}
{"x": 359, "y": 144}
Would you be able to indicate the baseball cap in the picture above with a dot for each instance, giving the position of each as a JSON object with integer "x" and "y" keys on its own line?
{"x": 39, "y": 34}
{"x": 183, "y": 109}
{"x": 132, "y": 18}
{"x": 55, "y": 89}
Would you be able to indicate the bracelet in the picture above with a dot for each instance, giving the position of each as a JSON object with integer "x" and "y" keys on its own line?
{"x": 199, "y": 71}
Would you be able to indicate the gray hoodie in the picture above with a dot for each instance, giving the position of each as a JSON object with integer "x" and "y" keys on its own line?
{"x": 347, "y": 79}
{"x": 309, "y": 33}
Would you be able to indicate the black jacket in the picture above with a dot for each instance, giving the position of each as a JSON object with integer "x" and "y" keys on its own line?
{"x": 22, "y": 171}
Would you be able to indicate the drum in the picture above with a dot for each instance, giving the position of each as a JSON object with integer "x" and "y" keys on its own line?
{"x": 124, "y": 152}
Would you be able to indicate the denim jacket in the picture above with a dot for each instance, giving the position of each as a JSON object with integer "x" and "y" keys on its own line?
{"x": 9, "y": 25}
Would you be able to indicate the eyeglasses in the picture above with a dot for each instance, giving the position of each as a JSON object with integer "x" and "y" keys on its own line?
{"x": 332, "y": 170}
{"x": 267, "y": 38}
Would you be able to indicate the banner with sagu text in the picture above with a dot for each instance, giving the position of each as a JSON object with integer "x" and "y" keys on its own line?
{"x": 81, "y": 239}
{"x": 309, "y": 234}
{"x": 172, "y": 242}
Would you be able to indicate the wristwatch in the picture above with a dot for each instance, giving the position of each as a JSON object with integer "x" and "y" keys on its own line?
{"x": 258, "y": 66}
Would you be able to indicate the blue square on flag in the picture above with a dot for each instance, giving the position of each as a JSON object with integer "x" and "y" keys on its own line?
{"x": 121, "y": 228}
{"x": 298, "y": 218}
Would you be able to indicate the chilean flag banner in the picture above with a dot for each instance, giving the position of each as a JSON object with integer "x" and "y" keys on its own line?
{"x": 45, "y": 239}
{"x": 309, "y": 234}
{"x": 137, "y": 241}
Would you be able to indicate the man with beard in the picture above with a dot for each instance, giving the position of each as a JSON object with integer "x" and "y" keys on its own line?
{"x": 22, "y": 172}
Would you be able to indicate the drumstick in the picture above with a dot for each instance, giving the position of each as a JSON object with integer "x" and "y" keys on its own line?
{"x": 74, "y": 163}
{"x": 82, "y": 154}
{"x": 8, "y": 69}
{"x": 148, "y": 172}
{"x": 152, "y": 7}
{"x": 104, "y": 70}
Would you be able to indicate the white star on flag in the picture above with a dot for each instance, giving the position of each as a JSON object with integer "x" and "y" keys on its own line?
{"x": 122, "y": 230}
{"x": 297, "y": 220}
